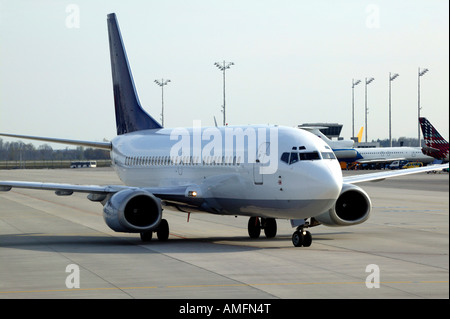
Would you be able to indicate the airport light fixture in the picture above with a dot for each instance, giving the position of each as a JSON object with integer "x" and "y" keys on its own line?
{"x": 368, "y": 81}
{"x": 392, "y": 77}
{"x": 162, "y": 83}
{"x": 354, "y": 83}
{"x": 223, "y": 66}
{"x": 420, "y": 73}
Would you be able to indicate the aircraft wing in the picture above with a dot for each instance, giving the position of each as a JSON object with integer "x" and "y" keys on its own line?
{"x": 99, "y": 145}
{"x": 97, "y": 192}
{"x": 389, "y": 174}
{"x": 61, "y": 189}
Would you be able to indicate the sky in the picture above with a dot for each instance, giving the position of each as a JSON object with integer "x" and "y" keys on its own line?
{"x": 294, "y": 63}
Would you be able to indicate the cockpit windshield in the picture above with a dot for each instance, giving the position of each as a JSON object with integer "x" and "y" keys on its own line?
{"x": 294, "y": 157}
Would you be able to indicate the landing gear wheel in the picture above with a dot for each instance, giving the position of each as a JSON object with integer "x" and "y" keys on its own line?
{"x": 146, "y": 236}
{"x": 254, "y": 227}
{"x": 307, "y": 239}
{"x": 163, "y": 230}
{"x": 301, "y": 238}
{"x": 297, "y": 238}
{"x": 270, "y": 227}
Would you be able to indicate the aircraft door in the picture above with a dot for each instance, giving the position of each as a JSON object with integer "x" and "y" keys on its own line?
{"x": 262, "y": 151}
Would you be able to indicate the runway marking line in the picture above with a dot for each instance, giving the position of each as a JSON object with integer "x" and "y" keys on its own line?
{"x": 225, "y": 285}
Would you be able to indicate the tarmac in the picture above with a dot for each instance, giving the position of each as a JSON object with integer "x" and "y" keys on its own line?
{"x": 54, "y": 247}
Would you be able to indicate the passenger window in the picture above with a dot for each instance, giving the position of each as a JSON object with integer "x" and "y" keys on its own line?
{"x": 294, "y": 158}
{"x": 285, "y": 157}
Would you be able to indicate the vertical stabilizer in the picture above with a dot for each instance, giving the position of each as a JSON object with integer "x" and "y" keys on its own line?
{"x": 436, "y": 145}
{"x": 130, "y": 116}
{"x": 360, "y": 133}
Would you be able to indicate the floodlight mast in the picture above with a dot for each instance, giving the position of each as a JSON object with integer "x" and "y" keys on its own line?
{"x": 420, "y": 73}
{"x": 368, "y": 81}
{"x": 162, "y": 83}
{"x": 223, "y": 66}
{"x": 354, "y": 83}
{"x": 391, "y": 78}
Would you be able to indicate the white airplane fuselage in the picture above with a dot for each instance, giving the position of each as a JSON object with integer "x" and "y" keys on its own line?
{"x": 229, "y": 181}
{"x": 395, "y": 153}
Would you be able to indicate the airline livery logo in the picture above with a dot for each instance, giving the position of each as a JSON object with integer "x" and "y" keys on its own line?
{"x": 433, "y": 139}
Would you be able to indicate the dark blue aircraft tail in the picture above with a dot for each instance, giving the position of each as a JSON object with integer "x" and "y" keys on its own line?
{"x": 130, "y": 116}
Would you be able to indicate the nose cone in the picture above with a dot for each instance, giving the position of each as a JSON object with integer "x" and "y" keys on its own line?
{"x": 335, "y": 177}
{"x": 329, "y": 179}
{"x": 322, "y": 180}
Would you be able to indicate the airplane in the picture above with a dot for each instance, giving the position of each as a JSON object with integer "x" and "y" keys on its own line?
{"x": 436, "y": 145}
{"x": 372, "y": 155}
{"x": 345, "y": 152}
{"x": 279, "y": 173}
{"x": 343, "y": 149}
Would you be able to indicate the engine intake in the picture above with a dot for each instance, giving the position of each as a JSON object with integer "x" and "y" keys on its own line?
{"x": 352, "y": 207}
{"x": 132, "y": 211}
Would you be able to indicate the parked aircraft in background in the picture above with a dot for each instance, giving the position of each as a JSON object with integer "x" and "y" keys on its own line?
{"x": 343, "y": 149}
{"x": 436, "y": 145}
{"x": 389, "y": 154}
{"x": 345, "y": 152}
{"x": 280, "y": 173}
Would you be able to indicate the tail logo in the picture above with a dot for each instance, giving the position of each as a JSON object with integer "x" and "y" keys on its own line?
{"x": 433, "y": 139}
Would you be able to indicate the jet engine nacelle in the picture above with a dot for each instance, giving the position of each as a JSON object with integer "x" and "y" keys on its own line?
{"x": 132, "y": 211}
{"x": 352, "y": 207}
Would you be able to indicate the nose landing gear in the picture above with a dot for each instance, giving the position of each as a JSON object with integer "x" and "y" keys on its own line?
{"x": 301, "y": 238}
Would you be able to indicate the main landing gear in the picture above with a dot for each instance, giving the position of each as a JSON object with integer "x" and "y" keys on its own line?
{"x": 162, "y": 232}
{"x": 255, "y": 224}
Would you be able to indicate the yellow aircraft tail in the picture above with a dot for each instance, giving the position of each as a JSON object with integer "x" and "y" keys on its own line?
{"x": 360, "y": 133}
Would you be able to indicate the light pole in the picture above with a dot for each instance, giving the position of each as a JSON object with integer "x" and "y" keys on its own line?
{"x": 391, "y": 78}
{"x": 161, "y": 84}
{"x": 368, "y": 81}
{"x": 354, "y": 83}
{"x": 420, "y": 73}
{"x": 222, "y": 66}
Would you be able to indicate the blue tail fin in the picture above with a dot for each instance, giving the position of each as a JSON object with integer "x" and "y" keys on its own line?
{"x": 130, "y": 116}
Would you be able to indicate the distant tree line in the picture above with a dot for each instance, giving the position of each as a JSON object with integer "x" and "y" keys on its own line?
{"x": 19, "y": 151}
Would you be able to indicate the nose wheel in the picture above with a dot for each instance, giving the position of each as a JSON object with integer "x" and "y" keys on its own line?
{"x": 301, "y": 238}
